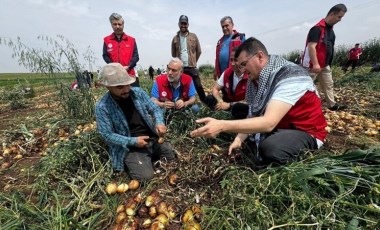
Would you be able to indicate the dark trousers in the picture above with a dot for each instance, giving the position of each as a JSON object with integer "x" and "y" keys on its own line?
{"x": 139, "y": 161}
{"x": 193, "y": 72}
{"x": 238, "y": 110}
{"x": 350, "y": 62}
{"x": 280, "y": 147}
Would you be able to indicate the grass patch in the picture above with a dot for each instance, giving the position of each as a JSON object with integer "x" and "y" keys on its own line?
{"x": 33, "y": 79}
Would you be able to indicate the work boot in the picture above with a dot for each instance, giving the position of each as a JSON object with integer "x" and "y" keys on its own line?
{"x": 337, "y": 107}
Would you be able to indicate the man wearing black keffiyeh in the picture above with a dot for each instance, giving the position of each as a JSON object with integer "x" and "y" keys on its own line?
{"x": 285, "y": 114}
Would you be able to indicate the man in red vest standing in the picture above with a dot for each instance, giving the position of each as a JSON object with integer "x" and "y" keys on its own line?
{"x": 319, "y": 53}
{"x": 231, "y": 38}
{"x": 120, "y": 47}
{"x": 353, "y": 58}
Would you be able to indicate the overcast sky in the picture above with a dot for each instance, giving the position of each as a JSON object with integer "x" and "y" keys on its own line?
{"x": 282, "y": 25}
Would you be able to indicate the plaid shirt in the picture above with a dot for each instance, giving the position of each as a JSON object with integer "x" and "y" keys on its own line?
{"x": 113, "y": 126}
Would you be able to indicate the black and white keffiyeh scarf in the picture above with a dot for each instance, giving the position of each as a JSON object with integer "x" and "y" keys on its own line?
{"x": 273, "y": 74}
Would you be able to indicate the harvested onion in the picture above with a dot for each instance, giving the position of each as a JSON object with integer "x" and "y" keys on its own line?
{"x": 111, "y": 189}
{"x": 173, "y": 179}
{"x": 134, "y": 184}
{"x": 122, "y": 188}
{"x": 188, "y": 216}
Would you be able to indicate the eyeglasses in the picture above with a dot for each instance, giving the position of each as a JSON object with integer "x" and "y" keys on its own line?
{"x": 173, "y": 70}
{"x": 244, "y": 63}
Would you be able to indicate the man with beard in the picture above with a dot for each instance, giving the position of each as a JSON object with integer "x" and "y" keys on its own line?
{"x": 130, "y": 123}
{"x": 120, "y": 47}
{"x": 285, "y": 115}
{"x": 174, "y": 90}
{"x": 186, "y": 46}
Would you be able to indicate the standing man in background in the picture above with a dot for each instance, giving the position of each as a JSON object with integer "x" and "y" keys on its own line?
{"x": 231, "y": 38}
{"x": 353, "y": 58}
{"x": 186, "y": 46}
{"x": 120, "y": 47}
{"x": 319, "y": 53}
{"x": 151, "y": 72}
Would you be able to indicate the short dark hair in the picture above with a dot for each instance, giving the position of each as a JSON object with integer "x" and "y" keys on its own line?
{"x": 251, "y": 46}
{"x": 338, "y": 8}
{"x": 357, "y": 44}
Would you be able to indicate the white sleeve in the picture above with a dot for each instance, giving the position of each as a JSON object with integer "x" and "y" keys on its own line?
{"x": 220, "y": 81}
{"x": 291, "y": 92}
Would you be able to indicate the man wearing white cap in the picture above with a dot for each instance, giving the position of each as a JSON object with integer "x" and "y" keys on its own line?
{"x": 130, "y": 123}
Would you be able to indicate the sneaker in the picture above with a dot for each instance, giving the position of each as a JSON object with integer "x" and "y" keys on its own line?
{"x": 337, "y": 107}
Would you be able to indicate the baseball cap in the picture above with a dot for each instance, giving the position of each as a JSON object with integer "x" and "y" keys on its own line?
{"x": 183, "y": 18}
{"x": 113, "y": 74}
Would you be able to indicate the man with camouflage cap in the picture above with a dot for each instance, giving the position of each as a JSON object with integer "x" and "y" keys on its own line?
{"x": 130, "y": 123}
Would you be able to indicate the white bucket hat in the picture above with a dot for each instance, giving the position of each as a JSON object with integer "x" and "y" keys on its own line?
{"x": 113, "y": 74}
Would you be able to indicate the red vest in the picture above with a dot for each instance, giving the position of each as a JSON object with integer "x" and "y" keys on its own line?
{"x": 240, "y": 89}
{"x": 165, "y": 90}
{"x": 235, "y": 41}
{"x": 306, "y": 115}
{"x": 321, "y": 48}
{"x": 354, "y": 53}
{"x": 122, "y": 51}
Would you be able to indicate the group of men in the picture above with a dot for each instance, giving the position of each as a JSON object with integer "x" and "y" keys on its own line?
{"x": 276, "y": 107}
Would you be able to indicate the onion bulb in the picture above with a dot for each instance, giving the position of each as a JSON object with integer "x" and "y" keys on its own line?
{"x": 157, "y": 226}
{"x": 173, "y": 179}
{"x": 130, "y": 211}
{"x": 122, "y": 188}
{"x": 120, "y": 217}
{"x": 153, "y": 211}
{"x": 188, "y": 216}
{"x": 162, "y": 219}
{"x": 111, "y": 189}
{"x": 172, "y": 212}
{"x": 134, "y": 184}
{"x": 120, "y": 208}
{"x": 162, "y": 208}
{"x": 147, "y": 223}
{"x": 193, "y": 226}
{"x": 137, "y": 198}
